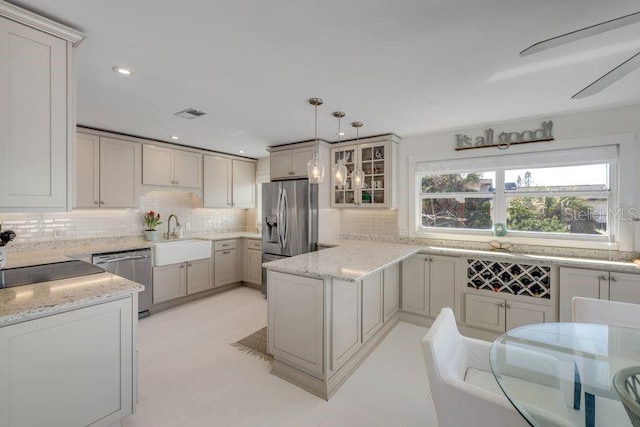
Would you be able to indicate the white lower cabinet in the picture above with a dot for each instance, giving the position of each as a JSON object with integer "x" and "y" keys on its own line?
{"x": 429, "y": 284}
{"x": 372, "y": 305}
{"x": 391, "y": 291}
{"x": 226, "y": 263}
{"x": 69, "y": 369}
{"x": 580, "y": 282}
{"x": 499, "y": 314}
{"x": 253, "y": 262}
{"x": 179, "y": 280}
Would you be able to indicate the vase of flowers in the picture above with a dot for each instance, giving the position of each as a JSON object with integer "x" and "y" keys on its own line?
{"x": 151, "y": 221}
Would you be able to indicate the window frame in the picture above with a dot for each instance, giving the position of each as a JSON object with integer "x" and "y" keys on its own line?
{"x": 501, "y": 197}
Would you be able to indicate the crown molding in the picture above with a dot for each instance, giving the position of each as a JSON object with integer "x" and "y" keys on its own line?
{"x": 41, "y": 23}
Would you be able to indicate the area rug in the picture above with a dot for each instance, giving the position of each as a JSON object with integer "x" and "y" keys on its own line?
{"x": 255, "y": 345}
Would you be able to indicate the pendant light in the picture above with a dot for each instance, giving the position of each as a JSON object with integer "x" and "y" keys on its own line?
{"x": 315, "y": 167}
{"x": 357, "y": 176}
{"x": 339, "y": 171}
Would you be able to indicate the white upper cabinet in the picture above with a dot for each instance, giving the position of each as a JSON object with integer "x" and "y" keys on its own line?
{"x": 170, "y": 167}
{"x": 229, "y": 183}
{"x": 35, "y": 105}
{"x": 105, "y": 172}
{"x": 289, "y": 163}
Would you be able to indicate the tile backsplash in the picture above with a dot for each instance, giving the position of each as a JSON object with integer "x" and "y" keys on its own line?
{"x": 102, "y": 223}
{"x": 368, "y": 222}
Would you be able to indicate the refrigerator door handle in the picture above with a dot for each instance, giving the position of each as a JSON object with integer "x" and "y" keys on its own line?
{"x": 279, "y": 218}
{"x": 285, "y": 215}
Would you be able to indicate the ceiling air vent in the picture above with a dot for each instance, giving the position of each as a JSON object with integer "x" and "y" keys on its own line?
{"x": 190, "y": 113}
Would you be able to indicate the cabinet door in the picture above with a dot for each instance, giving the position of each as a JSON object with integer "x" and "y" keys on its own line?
{"x": 371, "y": 305}
{"x": 169, "y": 282}
{"x": 187, "y": 169}
{"x": 33, "y": 118}
{"x": 391, "y": 290}
{"x": 295, "y": 321}
{"x": 624, "y": 287}
{"x": 226, "y": 267}
{"x": 217, "y": 182}
{"x": 373, "y": 161}
{"x": 299, "y": 159}
{"x": 280, "y": 163}
{"x": 346, "y": 321}
{"x": 522, "y": 313}
{"x": 87, "y": 179}
{"x": 198, "y": 278}
{"x": 244, "y": 184}
{"x": 69, "y": 369}
{"x": 442, "y": 283}
{"x": 578, "y": 282}
{"x": 254, "y": 266}
{"x": 118, "y": 161}
{"x": 157, "y": 165}
{"x": 485, "y": 312}
{"x": 415, "y": 293}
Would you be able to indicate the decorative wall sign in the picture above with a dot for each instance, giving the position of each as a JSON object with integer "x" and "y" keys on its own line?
{"x": 505, "y": 139}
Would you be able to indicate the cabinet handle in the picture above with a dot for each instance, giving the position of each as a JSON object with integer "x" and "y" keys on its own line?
{"x": 226, "y": 252}
{"x": 95, "y": 202}
{"x": 614, "y": 279}
{"x": 177, "y": 183}
{"x": 182, "y": 265}
{"x": 430, "y": 259}
{"x": 291, "y": 172}
{"x": 508, "y": 305}
{"x": 604, "y": 278}
{"x": 189, "y": 264}
{"x": 101, "y": 202}
{"x": 502, "y": 304}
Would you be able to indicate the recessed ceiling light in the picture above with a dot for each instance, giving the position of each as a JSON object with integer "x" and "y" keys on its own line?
{"x": 123, "y": 70}
{"x": 241, "y": 151}
{"x": 174, "y": 137}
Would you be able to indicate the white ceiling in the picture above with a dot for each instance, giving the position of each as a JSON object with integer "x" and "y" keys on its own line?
{"x": 402, "y": 66}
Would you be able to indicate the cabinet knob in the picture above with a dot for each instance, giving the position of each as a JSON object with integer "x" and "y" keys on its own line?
{"x": 181, "y": 265}
{"x": 189, "y": 264}
{"x": 508, "y": 305}
{"x": 95, "y": 202}
{"x": 604, "y": 278}
{"x": 177, "y": 183}
{"x": 614, "y": 279}
{"x": 502, "y": 304}
{"x": 291, "y": 172}
{"x": 101, "y": 202}
{"x": 430, "y": 259}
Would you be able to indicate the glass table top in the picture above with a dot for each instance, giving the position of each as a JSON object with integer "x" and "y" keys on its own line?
{"x": 560, "y": 374}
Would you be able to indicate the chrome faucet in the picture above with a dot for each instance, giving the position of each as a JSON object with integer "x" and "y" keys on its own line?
{"x": 169, "y": 234}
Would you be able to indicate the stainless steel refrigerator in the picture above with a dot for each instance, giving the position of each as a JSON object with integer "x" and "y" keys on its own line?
{"x": 289, "y": 220}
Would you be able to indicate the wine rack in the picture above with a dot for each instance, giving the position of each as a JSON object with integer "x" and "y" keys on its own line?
{"x": 511, "y": 278}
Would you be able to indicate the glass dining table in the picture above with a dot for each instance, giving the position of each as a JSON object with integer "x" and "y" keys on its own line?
{"x": 561, "y": 374}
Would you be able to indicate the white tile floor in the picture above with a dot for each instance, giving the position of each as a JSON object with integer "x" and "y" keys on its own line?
{"x": 190, "y": 375}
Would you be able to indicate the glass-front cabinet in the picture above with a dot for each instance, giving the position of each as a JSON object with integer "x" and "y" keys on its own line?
{"x": 374, "y": 156}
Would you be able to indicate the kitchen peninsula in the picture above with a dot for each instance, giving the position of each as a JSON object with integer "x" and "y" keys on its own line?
{"x": 328, "y": 310}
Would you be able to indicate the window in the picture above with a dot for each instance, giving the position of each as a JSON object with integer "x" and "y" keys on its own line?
{"x": 564, "y": 195}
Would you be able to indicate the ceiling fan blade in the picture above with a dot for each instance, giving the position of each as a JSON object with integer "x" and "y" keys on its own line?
{"x": 582, "y": 33}
{"x": 610, "y": 78}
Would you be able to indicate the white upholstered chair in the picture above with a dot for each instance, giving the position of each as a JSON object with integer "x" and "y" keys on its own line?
{"x": 464, "y": 391}
{"x": 604, "y": 312}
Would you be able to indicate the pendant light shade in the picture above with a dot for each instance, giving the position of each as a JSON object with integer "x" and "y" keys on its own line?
{"x": 315, "y": 167}
{"x": 357, "y": 176}
{"x": 339, "y": 170}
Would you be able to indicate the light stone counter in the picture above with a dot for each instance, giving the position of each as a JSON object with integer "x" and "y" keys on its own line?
{"x": 351, "y": 261}
{"x": 27, "y": 302}
{"x": 229, "y": 235}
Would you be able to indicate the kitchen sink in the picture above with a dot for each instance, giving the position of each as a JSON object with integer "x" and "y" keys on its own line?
{"x": 177, "y": 251}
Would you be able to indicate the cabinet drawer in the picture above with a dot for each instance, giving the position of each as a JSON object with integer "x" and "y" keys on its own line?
{"x": 254, "y": 244}
{"x": 224, "y": 244}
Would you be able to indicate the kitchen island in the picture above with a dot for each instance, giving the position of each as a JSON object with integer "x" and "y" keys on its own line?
{"x": 328, "y": 310}
{"x": 68, "y": 351}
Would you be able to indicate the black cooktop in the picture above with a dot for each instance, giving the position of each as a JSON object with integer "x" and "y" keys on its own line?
{"x": 19, "y": 276}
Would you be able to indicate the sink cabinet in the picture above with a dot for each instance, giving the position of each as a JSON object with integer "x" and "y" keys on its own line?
{"x": 76, "y": 368}
{"x": 106, "y": 171}
{"x": 178, "y": 280}
{"x": 171, "y": 167}
{"x": 36, "y": 110}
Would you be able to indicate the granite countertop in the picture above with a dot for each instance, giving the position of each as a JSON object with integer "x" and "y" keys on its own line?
{"x": 353, "y": 260}
{"x": 27, "y": 302}
{"x": 350, "y": 260}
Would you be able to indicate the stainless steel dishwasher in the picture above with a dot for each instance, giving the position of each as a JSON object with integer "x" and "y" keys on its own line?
{"x": 134, "y": 265}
